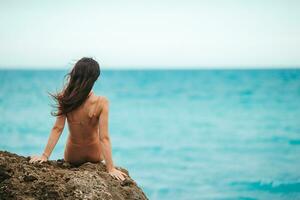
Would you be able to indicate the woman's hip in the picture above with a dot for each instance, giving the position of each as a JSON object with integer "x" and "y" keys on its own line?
{"x": 83, "y": 153}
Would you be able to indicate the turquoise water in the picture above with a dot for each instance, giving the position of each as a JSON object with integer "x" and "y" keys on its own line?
{"x": 182, "y": 134}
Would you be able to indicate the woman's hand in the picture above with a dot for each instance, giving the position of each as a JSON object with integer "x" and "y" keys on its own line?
{"x": 40, "y": 159}
{"x": 117, "y": 174}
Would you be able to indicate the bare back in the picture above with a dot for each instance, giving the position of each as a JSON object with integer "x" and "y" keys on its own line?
{"x": 84, "y": 121}
{"x": 84, "y": 137}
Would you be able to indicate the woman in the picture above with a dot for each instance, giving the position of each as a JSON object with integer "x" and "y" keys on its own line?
{"x": 87, "y": 116}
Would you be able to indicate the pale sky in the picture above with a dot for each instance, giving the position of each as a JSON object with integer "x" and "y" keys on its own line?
{"x": 150, "y": 34}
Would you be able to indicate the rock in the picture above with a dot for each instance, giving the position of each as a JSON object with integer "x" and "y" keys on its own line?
{"x": 29, "y": 177}
{"x": 3, "y": 175}
{"x": 60, "y": 180}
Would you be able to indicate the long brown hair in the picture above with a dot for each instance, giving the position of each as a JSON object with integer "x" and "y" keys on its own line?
{"x": 80, "y": 81}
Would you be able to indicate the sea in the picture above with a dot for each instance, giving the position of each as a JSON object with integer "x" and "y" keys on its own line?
{"x": 182, "y": 134}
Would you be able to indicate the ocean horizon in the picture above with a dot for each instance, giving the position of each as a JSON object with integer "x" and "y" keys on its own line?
{"x": 182, "y": 134}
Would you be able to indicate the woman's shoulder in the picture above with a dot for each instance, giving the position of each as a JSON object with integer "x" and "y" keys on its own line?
{"x": 102, "y": 102}
{"x": 102, "y": 99}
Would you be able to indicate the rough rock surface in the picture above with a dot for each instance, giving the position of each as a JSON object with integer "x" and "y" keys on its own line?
{"x": 59, "y": 180}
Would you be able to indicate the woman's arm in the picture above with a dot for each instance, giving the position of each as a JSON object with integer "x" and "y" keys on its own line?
{"x": 105, "y": 141}
{"x": 53, "y": 138}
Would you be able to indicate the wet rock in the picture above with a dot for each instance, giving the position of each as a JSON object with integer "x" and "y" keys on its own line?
{"x": 59, "y": 180}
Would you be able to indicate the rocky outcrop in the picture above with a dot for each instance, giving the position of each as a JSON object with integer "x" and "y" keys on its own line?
{"x": 59, "y": 180}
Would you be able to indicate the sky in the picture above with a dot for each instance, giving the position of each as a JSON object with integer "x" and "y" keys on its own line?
{"x": 151, "y": 34}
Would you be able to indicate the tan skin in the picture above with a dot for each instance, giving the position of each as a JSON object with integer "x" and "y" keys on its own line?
{"x": 91, "y": 117}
